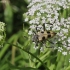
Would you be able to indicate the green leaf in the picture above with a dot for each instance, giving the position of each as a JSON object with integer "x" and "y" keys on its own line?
{"x": 8, "y": 14}
{"x": 20, "y": 68}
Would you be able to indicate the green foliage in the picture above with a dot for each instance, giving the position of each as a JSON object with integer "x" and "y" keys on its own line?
{"x": 8, "y": 16}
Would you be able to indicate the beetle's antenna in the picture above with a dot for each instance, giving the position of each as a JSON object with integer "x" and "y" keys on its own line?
{"x": 36, "y": 29}
{"x": 49, "y": 23}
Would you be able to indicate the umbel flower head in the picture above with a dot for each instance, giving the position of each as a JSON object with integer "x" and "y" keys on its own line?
{"x": 55, "y": 12}
{"x": 2, "y": 33}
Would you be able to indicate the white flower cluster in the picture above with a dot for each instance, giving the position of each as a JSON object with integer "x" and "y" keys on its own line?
{"x": 2, "y": 27}
{"x": 2, "y": 33}
{"x": 53, "y": 12}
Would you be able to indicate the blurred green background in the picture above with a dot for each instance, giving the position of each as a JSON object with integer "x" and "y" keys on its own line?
{"x": 11, "y": 13}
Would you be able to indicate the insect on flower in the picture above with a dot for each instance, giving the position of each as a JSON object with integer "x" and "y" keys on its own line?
{"x": 42, "y": 36}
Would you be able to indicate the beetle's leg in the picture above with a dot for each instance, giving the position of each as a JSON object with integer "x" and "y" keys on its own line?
{"x": 44, "y": 26}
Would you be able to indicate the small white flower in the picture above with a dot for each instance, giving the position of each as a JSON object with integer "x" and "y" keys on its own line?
{"x": 63, "y": 37}
{"x": 64, "y": 46}
{"x": 26, "y": 19}
{"x": 39, "y": 14}
{"x": 62, "y": 19}
{"x": 64, "y": 53}
{"x": 49, "y": 6}
{"x": 35, "y": 47}
{"x": 49, "y": 15}
{"x": 58, "y": 28}
{"x": 64, "y": 42}
{"x": 43, "y": 18}
{"x": 30, "y": 32}
{"x": 60, "y": 49}
{"x": 69, "y": 44}
{"x": 32, "y": 21}
{"x": 43, "y": 21}
{"x": 68, "y": 48}
{"x": 1, "y": 37}
{"x": 42, "y": 49}
{"x": 69, "y": 60}
{"x": 58, "y": 8}
{"x": 2, "y": 26}
{"x": 42, "y": 11}
{"x": 65, "y": 30}
{"x": 68, "y": 26}
{"x": 68, "y": 39}
{"x": 32, "y": 27}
